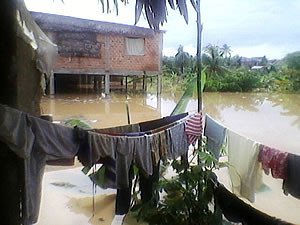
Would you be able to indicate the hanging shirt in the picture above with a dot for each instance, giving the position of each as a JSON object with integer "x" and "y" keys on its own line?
{"x": 35, "y": 140}
{"x": 243, "y": 165}
{"x": 291, "y": 184}
{"x": 215, "y": 134}
{"x": 193, "y": 128}
{"x": 273, "y": 159}
{"x": 177, "y": 141}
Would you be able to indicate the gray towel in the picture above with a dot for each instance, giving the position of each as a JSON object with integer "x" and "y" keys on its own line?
{"x": 215, "y": 134}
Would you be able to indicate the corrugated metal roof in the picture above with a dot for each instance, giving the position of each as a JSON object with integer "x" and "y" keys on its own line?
{"x": 59, "y": 23}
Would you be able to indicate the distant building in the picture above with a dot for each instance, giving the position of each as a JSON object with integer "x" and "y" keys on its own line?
{"x": 257, "y": 67}
{"x": 254, "y": 61}
{"x": 95, "y": 49}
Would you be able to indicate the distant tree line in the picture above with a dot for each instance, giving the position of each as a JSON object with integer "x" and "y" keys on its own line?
{"x": 235, "y": 73}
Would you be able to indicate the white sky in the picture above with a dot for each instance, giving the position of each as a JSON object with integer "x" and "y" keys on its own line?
{"x": 250, "y": 27}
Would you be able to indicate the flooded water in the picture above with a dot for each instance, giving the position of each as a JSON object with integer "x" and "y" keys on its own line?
{"x": 271, "y": 119}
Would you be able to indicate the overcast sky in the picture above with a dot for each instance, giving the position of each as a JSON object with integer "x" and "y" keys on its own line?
{"x": 250, "y": 27}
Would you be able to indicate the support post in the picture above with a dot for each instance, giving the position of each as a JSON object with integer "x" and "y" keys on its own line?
{"x": 126, "y": 82}
{"x": 199, "y": 63}
{"x": 144, "y": 82}
{"x": 100, "y": 82}
{"x": 159, "y": 83}
{"x": 95, "y": 83}
{"x": 134, "y": 84}
{"x": 107, "y": 84}
{"x": 52, "y": 84}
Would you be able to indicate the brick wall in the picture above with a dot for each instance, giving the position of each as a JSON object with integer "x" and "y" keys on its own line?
{"x": 118, "y": 60}
{"x": 121, "y": 61}
{"x": 84, "y": 63}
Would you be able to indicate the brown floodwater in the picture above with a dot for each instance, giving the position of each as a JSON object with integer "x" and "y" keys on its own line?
{"x": 271, "y": 119}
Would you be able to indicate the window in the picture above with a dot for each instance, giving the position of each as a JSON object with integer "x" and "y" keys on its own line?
{"x": 135, "y": 46}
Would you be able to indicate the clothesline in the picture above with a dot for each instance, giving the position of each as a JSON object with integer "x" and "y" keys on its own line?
{"x": 247, "y": 158}
{"x": 38, "y": 141}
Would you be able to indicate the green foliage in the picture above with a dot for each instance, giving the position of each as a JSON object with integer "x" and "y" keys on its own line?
{"x": 214, "y": 60}
{"x": 293, "y": 61}
{"x": 188, "y": 94}
{"x": 226, "y": 73}
{"x": 285, "y": 81}
{"x": 78, "y": 123}
{"x": 239, "y": 80}
{"x": 185, "y": 199}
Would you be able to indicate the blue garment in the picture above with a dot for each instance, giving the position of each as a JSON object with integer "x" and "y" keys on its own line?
{"x": 215, "y": 134}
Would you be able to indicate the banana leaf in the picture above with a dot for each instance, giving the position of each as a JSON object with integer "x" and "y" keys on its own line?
{"x": 78, "y": 123}
{"x": 188, "y": 94}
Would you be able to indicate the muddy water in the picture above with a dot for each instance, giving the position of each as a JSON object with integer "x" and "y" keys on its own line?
{"x": 272, "y": 119}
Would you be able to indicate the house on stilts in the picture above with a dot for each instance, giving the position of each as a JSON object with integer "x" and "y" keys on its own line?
{"x": 96, "y": 52}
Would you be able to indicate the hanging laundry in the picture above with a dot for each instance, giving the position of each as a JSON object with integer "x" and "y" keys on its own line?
{"x": 244, "y": 169}
{"x": 273, "y": 159}
{"x": 237, "y": 211}
{"x": 291, "y": 184}
{"x": 193, "y": 128}
{"x": 155, "y": 147}
{"x": 15, "y": 131}
{"x": 215, "y": 134}
{"x": 51, "y": 142}
{"x": 177, "y": 141}
{"x": 123, "y": 198}
{"x": 149, "y": 146}
{"x": 102, "y": 146}
{"x": 61, "y": 162}
{"x": 131, "y": 128}
{"x": 154, "y": 124}
{"x": 84, "y": 153}
{"x": 36, "y": 141}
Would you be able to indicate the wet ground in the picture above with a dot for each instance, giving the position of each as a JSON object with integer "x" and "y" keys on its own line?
{"x": 272, "y": 119}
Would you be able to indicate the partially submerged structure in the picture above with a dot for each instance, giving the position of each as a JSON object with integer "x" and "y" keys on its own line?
{"x": 96, "y": 49}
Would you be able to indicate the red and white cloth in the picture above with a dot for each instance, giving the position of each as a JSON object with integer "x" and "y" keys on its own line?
{"x": 193, "y": 127}
{"x": 275, "y": 160}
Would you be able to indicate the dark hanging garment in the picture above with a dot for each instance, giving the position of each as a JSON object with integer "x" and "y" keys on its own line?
{"x": 291, "y": 184}
{"x": 154, "y": 124}
{"x": 237, "y": 211}
{"x": 123, "y": 197}
{"x": 147, "y": 184}
{"x": 61, "y": 162}
{"x": 84, "y": 153}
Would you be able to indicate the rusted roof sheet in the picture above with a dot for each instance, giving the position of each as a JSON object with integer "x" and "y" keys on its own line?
{"x": 59, "y": 23}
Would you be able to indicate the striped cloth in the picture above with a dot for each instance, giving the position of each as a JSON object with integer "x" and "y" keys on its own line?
{"x": 193, "y": 127}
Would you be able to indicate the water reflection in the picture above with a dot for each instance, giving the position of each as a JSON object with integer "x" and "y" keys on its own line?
{"x": 273, "y": 119}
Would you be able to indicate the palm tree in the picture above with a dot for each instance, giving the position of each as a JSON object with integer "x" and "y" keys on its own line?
{"x": 225, "y": 51}
{"x": 181, "y": 59}
{"x": 214, "y": 61}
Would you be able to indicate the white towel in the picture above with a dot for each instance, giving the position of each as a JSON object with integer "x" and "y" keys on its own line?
{"x": 244, "y": 169}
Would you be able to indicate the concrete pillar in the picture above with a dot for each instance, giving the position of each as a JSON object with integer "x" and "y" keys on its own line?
{"x": 107, "y": 84}
{"x": 95, "y": 83}
{"x": 52, "y": 84}
{"x": 158, "y": 103}
{"x": 159, "y": 83}
{"x": 144, "y": 82}
{"x": 134, "y": 83}
{"x": 100, "y": 83}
